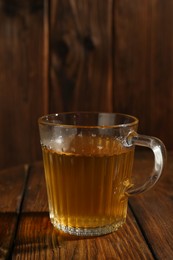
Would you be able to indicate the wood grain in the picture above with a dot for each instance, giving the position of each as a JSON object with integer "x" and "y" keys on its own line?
{"x": 12, "y": 184}
{"x": 81, "y": 55}
{"x": 147, "y": 236}
{"x": 161, "y": 69}
{"x": 114, "y": 63}
{"x": 8, "y": 223}
{"x": 130, "y": 59}
{"x": 154, "y": 211}
{"x": 22, "y": 95}
{"x": 143, "y": 64}
{"x": 35, "y": 199}
{"x": 36, "y": 238}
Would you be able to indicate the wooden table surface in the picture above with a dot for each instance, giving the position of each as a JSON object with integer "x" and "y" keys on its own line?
{"x": 26, "y": 231}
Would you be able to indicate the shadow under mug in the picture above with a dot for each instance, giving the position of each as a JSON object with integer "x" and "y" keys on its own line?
{"x": 88, "y": 159}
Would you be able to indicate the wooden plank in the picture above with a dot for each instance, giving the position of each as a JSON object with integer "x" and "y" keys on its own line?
{"x": 81, "y": 55}
{"x": 36, "y": 195}
{"x": 37, "y": 239}
{"x": 154, "y": 210}
{"x": 8, "y": 223}
{"x": 12, "y": 183}
{"x": 131, "y": 58}
{"x": 161, "y": 67}
{"x": 21, "y": 80}
{"x": 143, "y": 64}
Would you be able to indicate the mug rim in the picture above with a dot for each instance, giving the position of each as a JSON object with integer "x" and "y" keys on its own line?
{"x": 44, "y": 120}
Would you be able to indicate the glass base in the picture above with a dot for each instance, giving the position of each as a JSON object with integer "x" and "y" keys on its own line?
{"x": 96, "y": 231}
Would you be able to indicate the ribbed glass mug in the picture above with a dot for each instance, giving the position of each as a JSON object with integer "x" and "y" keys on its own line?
{"x": 88, "y": 159}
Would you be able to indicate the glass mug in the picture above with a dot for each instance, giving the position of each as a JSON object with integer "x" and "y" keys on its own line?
{"x": 88, "y": 159}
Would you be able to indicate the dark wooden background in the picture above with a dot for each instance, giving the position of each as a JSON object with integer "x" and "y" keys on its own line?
{"x": 64, "y": 55}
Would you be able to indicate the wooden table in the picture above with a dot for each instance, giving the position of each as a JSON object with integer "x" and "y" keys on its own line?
{"x": 26, "y": 231}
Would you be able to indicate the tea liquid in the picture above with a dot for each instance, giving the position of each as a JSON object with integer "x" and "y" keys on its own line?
{"x": 86, "y": 184}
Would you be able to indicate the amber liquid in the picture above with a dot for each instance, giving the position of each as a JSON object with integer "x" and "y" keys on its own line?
{"x": 86, "y": 187}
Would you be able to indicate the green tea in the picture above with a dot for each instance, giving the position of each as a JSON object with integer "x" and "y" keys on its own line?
{"x": 86, "y": 184}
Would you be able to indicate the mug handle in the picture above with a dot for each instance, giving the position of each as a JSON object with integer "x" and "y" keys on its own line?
{"x": 159, "y": 151}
